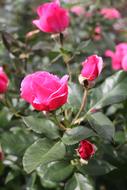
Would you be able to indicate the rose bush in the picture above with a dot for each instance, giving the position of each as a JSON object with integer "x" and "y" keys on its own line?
{"x": 63, "y": 101}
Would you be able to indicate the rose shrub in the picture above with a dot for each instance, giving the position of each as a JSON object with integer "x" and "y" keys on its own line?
{"x": 63, "y": 95}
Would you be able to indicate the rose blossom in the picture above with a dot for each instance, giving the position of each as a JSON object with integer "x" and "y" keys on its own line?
{"x": 110, "y": 13}
{"x": 92, "y": 67}
{"x": 78, "y": 10}
{"x": 86, "y": 150}
{"x": 45, "y": 91}
{"x": 119, "y": 57}
{"x": 52, "y": 18}
{"x": 98, "y": 33}
{"x": 3, "y": 81}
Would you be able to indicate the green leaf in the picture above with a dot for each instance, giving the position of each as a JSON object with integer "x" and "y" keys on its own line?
{"x": 41, "y": 152}
{"x": 16, "y": 141}
{"x": 73, "y": 136}
{"x": 79, "y": 182}
{"x": 55, "y": 171}
{"x": 42, "y": 126}
{"x": 102, "y": 125}
{"x": 96, "y": 168}
{"x": 113, "y": 90}
{"x": 75, "y": 96}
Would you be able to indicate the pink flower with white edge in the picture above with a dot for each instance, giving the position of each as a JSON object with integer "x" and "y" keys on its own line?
{"x": 92, "y": 67}
{"x": 45, "y": 91}
{"x": 52, "y": 18}
{"x": 119, "y": 57}
{"x": 110, "y": 13}
{"x": 4, "y": 81}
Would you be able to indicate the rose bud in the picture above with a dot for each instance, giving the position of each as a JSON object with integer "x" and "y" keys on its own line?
{"x": 52, "y": 18}
{"x": 92, "y": 67}
{"x": 3, "y": 81}
{"x": 1, "y": 154}
{"x": 110, "y": 13}
{"x": 45, "y": 91}
{"x": 86, "y": 150}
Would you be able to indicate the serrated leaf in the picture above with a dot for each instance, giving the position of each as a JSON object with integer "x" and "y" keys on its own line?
{"x": 74, "y": 135}
{"x": 113, "y": 90}
{"x": 79, "y": 182}
{"x": 75, "y": 95}
{"x": 102, "y": 125}
{"x": 55, "y": 171}
{"x": 41, "y": 152}
{"x": 15, "y": 142}
{"x": 96, "y": 168}
{"x": 42, "y": 126}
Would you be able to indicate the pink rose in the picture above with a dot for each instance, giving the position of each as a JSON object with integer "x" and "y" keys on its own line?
{"x": 3, "y": 81}
{"x": 86, "y": 150}
{"x": 98, "y": 32}
{"x": 110, "y": 13}
{"x": 45, "y": 91}
{"x": 92, "y": 67}
{"x": 52, "y": 18}
{"x": 78, "y": 10}
{"x": 118, "y": 57}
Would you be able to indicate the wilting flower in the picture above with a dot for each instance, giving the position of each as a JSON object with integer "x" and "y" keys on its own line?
{"x": 92, "y": 67}
{"x": 3, "y": 81}
{"x": 86, "y": 150}
{"x": 110, "y": 13}
{"x": 52, "y": 18}
{"x": 119, "y": 57}
{"x": 45, "y": 91}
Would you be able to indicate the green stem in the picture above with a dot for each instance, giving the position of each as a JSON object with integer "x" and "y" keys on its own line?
{"x": 84, "y": 99}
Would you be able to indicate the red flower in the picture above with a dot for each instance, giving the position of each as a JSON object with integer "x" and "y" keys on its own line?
{"x": 86, "y": 150}
{"x": 3, "y": 81}
{"x": 1, "y": 154}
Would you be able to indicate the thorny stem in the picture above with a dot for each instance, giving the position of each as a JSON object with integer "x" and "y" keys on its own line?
{"x": 61, "y": 39}
{"x": 82, "y": 105}
{"x": 66, "y": 62}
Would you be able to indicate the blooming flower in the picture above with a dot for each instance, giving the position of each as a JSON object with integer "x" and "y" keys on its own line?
{"x": 52, "y": 18}
{"x": 92, "y": 67}
{"x": 3, "y": 81}
{"x": 110, "y": 13}
{"x": 78, "y": 10}
{"x": 98, "y": 32}
{"x": 86, "y": 150}
{"x": 45, "y": 91}
{"x": 119, "y": 57}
